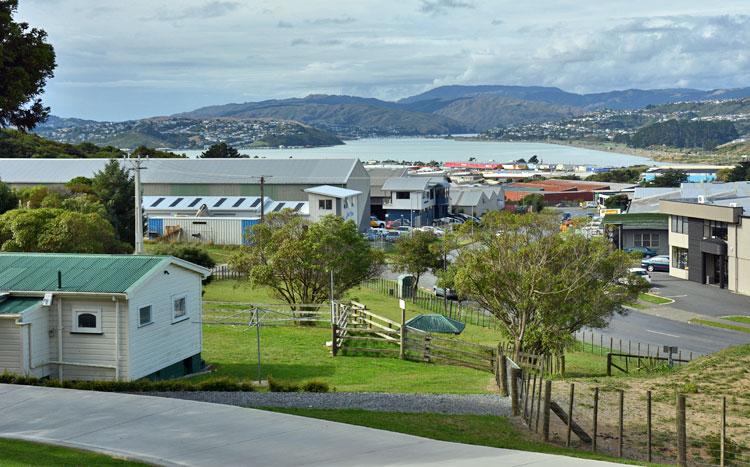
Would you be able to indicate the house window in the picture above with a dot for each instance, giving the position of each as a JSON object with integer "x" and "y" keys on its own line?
{"x": 648, "y": 240}
{"x": 325, "y": 204}
{"x": 679, "y": 224}
{"x": 403, "y": 195}
{"x": 144, "y": 315}
{"x": 346, "y": 203}
{"x": 715, "y": 229}
{"x": 179, "y": 308}
{"x": 679, "y": 257}
{"x": 87, "y": 321}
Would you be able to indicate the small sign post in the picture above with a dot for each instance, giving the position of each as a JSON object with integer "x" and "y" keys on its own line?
{"x": 670, "y": 350}
{"x": 402, "y": 347}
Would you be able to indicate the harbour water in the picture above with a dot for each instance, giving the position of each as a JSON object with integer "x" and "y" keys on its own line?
{"x": 445, "y": 150}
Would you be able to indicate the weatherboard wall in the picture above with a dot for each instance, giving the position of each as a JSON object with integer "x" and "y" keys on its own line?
{"x": 210, "y": 230}
{"x": 35, "y": 336}
{"x": 10, "y": 346}
{"x": 164, "y": 341}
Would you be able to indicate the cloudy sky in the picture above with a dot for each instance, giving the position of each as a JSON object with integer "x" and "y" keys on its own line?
{"x": 129, "y": 59}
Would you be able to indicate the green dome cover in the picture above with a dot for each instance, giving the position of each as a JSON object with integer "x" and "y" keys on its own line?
{"x": 436, "y": 323}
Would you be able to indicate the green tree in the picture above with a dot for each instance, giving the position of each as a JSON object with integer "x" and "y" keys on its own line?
{"x": 144, "y": 151}
{"x": 416, "y": 254}
{"x": 221, "y": 151}
{"x": 33, "y": 196}
{"x": 84, "y": 204}
{"x": 622, "y": 175}
{"x": 80, "y": 185}
{"x": 191, "y": 253}
{"x": 668, "y": 178}
{"x": 27, "y": 61}
{"x": 295, "y": 259}
{"x": 738, "y": 173}
{"x": 620, "y": 201}
{"x": 542, "y": 285}
{"x": 8, "y": 198}
{"x": 115, "y": 188}
{"x": 535, "y": 200}
{"x": 534, "y": 159}
{"x": 57, "y": 231}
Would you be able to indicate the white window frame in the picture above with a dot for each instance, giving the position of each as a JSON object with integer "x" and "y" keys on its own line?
{"x": 150, "y": 317}
{"x": 91, "y": 311}
{"x": 175, "y": 318}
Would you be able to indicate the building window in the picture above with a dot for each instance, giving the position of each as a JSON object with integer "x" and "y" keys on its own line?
{"x": 715, "y": 229}
{"x": 179, "y": 308}
{"x": 679, "y": 258}
{"x": 403, "y": 195}
{"x": 346, "y": 203}
{"x": 325, "y": 204}
{"x": 648, "y": 240}
{"x": 679, "y": 224}
{"x": 87, "y": 321}
{"x": 144, "y": 315}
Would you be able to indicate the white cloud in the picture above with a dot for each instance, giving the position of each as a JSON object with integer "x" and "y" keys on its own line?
{"x": 211, "y": 52}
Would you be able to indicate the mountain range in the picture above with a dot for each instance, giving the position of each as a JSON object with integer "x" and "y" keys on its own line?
{"x": 440, "y": 111}
{"x": 453, "y": 109}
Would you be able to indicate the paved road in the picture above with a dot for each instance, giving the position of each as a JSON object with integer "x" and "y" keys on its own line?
{"x": 702, "y": 299}
{"x": 657, "y": 331}
{"x": 180, "y": 432}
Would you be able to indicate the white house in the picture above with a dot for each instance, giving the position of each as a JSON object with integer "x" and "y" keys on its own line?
{"x": 476, "y": 200}
{"x": 326, "y": 199}
{"x": 421, "y": 199}
{"x": 99, "y": 317}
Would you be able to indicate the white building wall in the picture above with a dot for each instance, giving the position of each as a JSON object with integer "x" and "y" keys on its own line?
{"x": 681, "y": 241}
{"x": 216, "y": 230}
{"x": 89, "y": 349}
{"x": 738, "y": 252}
{"x": 35, "y": 336}
{"x": 10, "y": 346}
{"x": 164, "y": 342}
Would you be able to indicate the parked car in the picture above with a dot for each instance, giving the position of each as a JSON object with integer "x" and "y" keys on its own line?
{"x": 440, "y": 292}
{"x": 656, "y": 263}
{"x": 374, "y": 234}
{"x": 447, "y": 221}
{"x": 435, "y": 230}
{"x": 645, "y": 251}
{"x": 404, "y": 229}
{"x": 635, "y": 274}
{"x": 392, "y": 236}
{"x": 466, "y": 217}
{"x": 397, "y": 223}
{"x": 377, "y": 223}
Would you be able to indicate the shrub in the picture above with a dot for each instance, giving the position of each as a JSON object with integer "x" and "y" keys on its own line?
{"x": 315, "y": 386}
{"x": 731, "y": 448}
{"x": 275, "y": 385}
{"x": 222, "y": 384}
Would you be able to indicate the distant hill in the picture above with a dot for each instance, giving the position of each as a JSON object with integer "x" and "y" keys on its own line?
{"x": 345, "y": 115}
{"x": 452, "y": 109}
{"x": 187, "y": 133}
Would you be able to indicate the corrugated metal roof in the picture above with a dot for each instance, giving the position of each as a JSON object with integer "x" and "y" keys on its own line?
{"x": 332, "y": 191}
{"x": 188, "y": 171}
{"x": 16, "y": 305}
{"x": 80, "y": 272}
{"x": 645, "y": 220}
{"x": 412, "y": 183}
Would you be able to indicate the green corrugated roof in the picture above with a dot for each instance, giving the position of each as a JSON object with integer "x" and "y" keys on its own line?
{"x": 436, "y": 323}
{"x": 16, "y": 305}
{"x": 643, "y": 220}
{"x": 80, "y": 272}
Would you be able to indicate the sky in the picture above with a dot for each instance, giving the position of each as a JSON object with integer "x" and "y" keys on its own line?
{"x": 120, "y": 60}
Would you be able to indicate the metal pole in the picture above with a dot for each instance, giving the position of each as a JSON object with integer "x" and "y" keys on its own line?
{"x": 257, "y": 338}
{"x": 570, "y": 414}
{"x": 262, "y": 199}
{"x": 722, "y": 455}
{"x": 137, "y": 167}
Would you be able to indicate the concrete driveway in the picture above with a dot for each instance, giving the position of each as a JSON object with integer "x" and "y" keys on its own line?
{"x": 178, "y": 432}
{"x": 698, "y": 298}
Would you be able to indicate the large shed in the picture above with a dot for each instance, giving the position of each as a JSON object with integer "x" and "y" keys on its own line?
{"x": 99, "y": 317}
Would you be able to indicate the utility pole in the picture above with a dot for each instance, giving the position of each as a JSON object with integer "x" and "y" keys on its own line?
{"x": 262, "y": 179}
{"x": 136, "y": 166}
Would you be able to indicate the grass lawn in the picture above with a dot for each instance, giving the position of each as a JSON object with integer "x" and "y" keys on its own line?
{"x": 655, "y": 299}
{"x": 482, "y": 430}
{"x": 716, "y": 324}
{"x": 299, "y": 354}
{"x": 738, "y": 319}
{"x": 219, "y": 253}
{"x": 22, "y": 453}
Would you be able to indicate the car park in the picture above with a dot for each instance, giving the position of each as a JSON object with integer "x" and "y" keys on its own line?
{"x": 656, "y": 263}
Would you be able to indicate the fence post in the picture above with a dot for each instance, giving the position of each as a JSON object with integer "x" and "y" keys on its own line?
{"x": 503, "y": 366}
{"x": 609, "y": 364}
{"x": 514, "y": 374}
{"x": 402, "y": 340}
{"x": 334, "y": 348}
{"x": 562, "y": 365}
{"x": 648, "y": 424}
{"x": 611, "y": 342}
{"x": 570, "y": 413}
{"x": 547, "y": 403}
{"x": 723, "y": 431}
{"x": 533, "y": 395}
{"x": 681, "y": 431}
{"x": 596, "y": 419}
{"x": 621, "y": 441}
